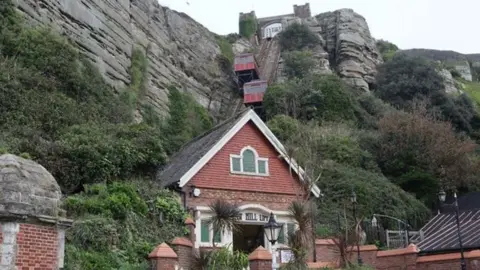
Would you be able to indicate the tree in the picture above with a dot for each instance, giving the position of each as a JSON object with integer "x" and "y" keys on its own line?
{"x": 323, "y": 98}
{"x": 404, "y": 81}
{"x": 421, "y": 153}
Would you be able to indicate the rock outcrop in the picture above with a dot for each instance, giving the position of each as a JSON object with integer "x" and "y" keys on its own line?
{"x": 464, "y": 69}
{"x": 350, "y": 46}
{"x": 180, "y": 50}
{"x": 463, "y": 64}
{"x": 449, "y": 82}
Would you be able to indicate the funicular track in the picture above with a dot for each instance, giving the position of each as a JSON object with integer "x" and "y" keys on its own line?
{"x": 269, "y": 56}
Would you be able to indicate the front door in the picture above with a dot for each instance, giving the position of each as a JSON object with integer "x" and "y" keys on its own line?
{"x": 248, "y": 238}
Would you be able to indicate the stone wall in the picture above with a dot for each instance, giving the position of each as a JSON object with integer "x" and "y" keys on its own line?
{"x": 302, "y": 11}
{"x": 180, "y": 51}
{"x": 32, "y": 225}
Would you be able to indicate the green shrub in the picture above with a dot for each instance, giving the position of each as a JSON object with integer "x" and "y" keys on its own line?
{"x": 375, "y": 194}
{"x": 284, "y": 127}
{"x": 139, "y": 76}
{"x": 386, "y": 49}
{"x": 187, "y": 119}
{"x": 297, "y": 37}
{"x": 298, "y": 63}
{"x": 404, "y": 80}
{"x": 225, "y": 48}
{"x": 222, "y": 258}
{"x": 119, "y": 224}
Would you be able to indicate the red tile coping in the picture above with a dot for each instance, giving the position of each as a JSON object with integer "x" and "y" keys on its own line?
{"x": 318, "y": 265}
{"x": 411, "y": 249}
{"x": 324, "y": 242}
{"x": 448, "y": 256}
{"x": 365, "y": 248}
{"x": 189, "y": 221}
{"x": 182, "y": 241}
{"x": 163, "y": 251}
{"x": 260, "y": 254}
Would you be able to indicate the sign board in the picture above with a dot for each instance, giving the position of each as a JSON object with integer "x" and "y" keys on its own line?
{"x": 253, "y": 217}
{"x": 286, "y": 255}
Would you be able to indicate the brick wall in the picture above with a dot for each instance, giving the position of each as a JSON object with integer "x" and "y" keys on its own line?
{"x": 405, "y": 258}
{"x": 30, "y": 246}
{"x": 37, "y": 247}
{"x": 275, "y": 191}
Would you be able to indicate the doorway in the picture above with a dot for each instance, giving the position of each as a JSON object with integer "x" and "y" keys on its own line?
{"x": 248, "y": 238}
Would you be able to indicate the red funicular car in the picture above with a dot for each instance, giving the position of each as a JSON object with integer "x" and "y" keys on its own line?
{"x": 253, "y": 91}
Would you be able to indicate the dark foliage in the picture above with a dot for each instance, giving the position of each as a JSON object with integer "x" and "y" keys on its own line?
{"x": 297, "y": 37}
{"x": 403, "y": 81}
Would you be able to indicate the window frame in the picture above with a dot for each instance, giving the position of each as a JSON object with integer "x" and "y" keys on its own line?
{"x": 257, "y": 158}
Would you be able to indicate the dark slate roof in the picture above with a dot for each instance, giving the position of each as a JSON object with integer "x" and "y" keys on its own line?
{"x": 193, "y": 151}
{"x": 469, "y": 201}
{"x": 440, "y": 233}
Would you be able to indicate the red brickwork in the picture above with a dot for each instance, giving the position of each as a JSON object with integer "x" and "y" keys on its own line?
{"x": 260, "y": 259}
{"x": 405, "y": 258}
{"x": 37, "y": 247}
{"x": 163, "y": 258}
{"x": 184, "y": 249}
{"x": 275, "y": 191}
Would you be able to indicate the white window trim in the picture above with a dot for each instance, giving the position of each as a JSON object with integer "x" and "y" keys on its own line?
{"x": 257, "y": 159}
{"x": 224, "y": 237}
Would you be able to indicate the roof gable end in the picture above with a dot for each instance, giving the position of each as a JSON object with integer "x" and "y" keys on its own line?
{"x": 250, "y": 115}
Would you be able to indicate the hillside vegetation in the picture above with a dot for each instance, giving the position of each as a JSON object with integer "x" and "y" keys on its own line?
{"x": 57, "y": 110}
{"x": 395, "y": 147}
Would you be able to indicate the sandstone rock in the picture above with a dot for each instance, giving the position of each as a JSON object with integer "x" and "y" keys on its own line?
{"x": 351, "y": 48}
{"x": 241, "y": 46}
{"x": 27, "y": 189}
{"x": 180, "y": 51}
{"x": 449, "y": 82}
{"x": 463, "y": 68}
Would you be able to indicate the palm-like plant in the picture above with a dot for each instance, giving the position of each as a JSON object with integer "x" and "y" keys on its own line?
{"x": 224, "y": 218}
{"x": 300, "y": 239}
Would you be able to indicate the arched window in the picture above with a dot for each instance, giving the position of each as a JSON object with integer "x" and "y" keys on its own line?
{"x": 248, "y": 162}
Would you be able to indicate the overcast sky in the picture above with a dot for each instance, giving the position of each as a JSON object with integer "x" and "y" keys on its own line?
{"x": 433, "y": 24}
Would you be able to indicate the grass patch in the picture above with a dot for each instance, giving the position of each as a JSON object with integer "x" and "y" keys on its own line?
{"x": 473, "y": 91}
{"x": 225, "y": 48}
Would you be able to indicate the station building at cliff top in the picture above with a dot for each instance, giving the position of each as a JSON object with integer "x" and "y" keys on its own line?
{"x": 241, "y": 161}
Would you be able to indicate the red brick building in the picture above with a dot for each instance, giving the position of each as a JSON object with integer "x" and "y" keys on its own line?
{"x": 242, "y": 161}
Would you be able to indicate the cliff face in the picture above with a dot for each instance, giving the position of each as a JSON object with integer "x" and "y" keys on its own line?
{"x": 465, "y": 65}
{"x": 350, "y": 46}
{"x": 180, "y": 51}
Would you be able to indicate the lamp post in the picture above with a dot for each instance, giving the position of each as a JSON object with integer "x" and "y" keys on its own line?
{"x": 272, "y": 229}
{"x": 441, "y": 197}
{"x": 354, "y": 202}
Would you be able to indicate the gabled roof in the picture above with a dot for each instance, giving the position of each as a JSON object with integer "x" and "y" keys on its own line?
{"x": 195, "y": 154}
{"x": 440, "y": 233}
